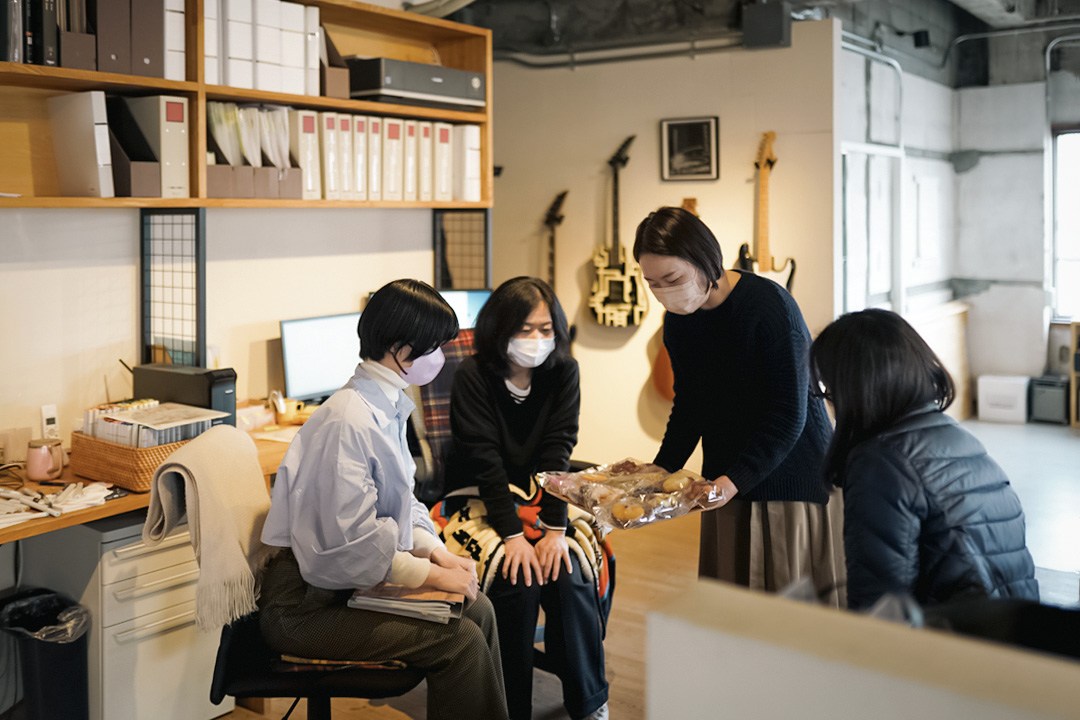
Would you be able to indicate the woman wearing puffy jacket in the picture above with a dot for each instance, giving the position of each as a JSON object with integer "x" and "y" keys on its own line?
{"x": 926, "y": 511}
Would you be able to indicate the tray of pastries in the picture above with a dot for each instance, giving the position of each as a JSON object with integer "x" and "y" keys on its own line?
{"x": 628, "y": 493}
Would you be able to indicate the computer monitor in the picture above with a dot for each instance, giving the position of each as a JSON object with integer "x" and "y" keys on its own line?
{"x": 319, "y": 354}
{"x": 466, "y": 304}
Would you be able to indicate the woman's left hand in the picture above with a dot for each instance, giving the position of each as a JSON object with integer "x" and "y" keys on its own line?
{"x": 552, "y": 550}
{"x": 444, "y": 558}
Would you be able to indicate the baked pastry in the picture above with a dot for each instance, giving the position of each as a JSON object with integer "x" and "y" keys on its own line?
{"x": 677, "y": 481}
{"x": 627, "y": 511}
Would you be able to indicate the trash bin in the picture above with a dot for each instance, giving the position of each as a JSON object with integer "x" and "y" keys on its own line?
{"x": 51, "y": 634}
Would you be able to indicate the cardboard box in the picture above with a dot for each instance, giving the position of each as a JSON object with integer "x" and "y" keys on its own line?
{"x": 220, "y": 181}
{"x": 334, "y": 73}
{"x": 291, "y": 183}
{"x": 266, "y": 182}
{"x": 1003, "y": 398}
{"x": 133, "y": 178}
{"x": 78, "y": 50}
{"x": 244, "y": 177}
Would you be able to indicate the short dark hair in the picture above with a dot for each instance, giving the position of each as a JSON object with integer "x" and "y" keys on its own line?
{"x": 680, "y": 233}
{"x": 405, "y": 312}
{"x": 506, "y": 311}
{"x": 875, "y": 368}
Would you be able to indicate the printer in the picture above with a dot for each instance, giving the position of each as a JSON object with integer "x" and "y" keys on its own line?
{"x": 200, "y": 387}
{"x": 413, "y": 83}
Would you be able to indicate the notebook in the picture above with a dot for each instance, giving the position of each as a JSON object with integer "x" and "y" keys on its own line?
{"x": 432, "y": 605}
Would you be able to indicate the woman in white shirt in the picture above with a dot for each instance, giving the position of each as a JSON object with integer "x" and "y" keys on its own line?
{"x": 344, "y": 512}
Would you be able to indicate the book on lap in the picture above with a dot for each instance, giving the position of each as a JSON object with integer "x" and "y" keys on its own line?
{"x": 432, "y": 605}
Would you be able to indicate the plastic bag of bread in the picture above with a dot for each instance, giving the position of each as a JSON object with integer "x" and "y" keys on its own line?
{"x": 626, "y": 494}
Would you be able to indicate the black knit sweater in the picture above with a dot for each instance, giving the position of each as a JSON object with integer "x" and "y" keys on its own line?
{"x": 742, "y": 386}
{"x": 496, "y": 442}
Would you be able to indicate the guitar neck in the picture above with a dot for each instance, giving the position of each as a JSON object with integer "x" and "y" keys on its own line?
{"x": 761, "y": 217}
{"x": 613, "y": 261}
{"x": 551, "y": 259}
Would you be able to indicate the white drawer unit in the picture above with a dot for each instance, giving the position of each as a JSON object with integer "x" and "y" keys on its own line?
{"x": 146, "y": 659}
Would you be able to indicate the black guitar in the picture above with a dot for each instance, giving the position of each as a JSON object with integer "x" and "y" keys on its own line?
{"x": 618, "y": 292}
{"x": 552, "y": 220}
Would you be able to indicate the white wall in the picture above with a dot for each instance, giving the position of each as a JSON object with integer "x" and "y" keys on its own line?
{"x": 1001, "y": 233}
{"x": 69, "y": 293}
{"x": 555, "y": 130}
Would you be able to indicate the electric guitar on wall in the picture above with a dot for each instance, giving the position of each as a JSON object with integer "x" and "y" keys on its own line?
{"x": 762, "y": 262}
{"x": 618, "y": 292}
{"x": 552, "y": 220}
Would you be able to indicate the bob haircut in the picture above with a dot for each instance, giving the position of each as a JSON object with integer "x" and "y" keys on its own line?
{"x": 875, "y": 369}
{"x": 680, "y": 233}
{"x": 506, "y": 311}
{"x": 405, "y": 312}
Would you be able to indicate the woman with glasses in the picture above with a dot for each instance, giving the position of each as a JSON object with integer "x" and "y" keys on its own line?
{"x": 927, "y": 512}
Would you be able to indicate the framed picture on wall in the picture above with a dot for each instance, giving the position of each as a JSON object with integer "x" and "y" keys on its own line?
{"x": 690, "y": 148}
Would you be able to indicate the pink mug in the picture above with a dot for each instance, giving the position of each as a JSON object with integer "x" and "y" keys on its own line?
{"x": 44, "y": 460}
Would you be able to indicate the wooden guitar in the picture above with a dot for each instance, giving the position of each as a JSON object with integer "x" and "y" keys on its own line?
{"x": 552, "y": 220}
{"x": 663, "y": 377}
{"x": 762, "y": 262}
{"x": 618, "y": 292}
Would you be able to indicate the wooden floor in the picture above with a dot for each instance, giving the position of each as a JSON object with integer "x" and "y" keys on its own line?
{"x": 652, "y": 564}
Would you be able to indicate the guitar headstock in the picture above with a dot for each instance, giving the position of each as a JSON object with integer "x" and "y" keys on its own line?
{"x": 553, "y": 217}
{"x": 620, "y": 157}
{"x": 689, "y": 205}
{"x": 765, "y": 155}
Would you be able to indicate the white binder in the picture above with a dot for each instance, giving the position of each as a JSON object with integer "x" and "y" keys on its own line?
{"x": 329, "y": 157}
{"x": 393, "y": 154}
{"x": 374, "y": 158}
{"x": 345, "y": 155}
{"x": 425, "y": 153}
{"x": 312, "y": 43}
{"x": 444, "y": 162}
{"x": 466, "y": 164}
{"x": 409, "y": 167}
{"x": 360, "y": 152}
{"x": 163, "y": 120}
{"x": 304, "y": 149}
{"x": 80, "y": 132}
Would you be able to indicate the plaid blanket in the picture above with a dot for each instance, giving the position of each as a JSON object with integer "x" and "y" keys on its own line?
{"x": 467, "y": 533}
{"x": 435, "y": 401}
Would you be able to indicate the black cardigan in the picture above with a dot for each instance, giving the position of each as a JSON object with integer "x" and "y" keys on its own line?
{"x": 495, "y": 441}
{"x": 742, "y": 386}
{"x": 929, "y": 514}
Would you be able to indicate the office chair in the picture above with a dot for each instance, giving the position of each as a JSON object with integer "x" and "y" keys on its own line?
{"x": 246, "y": 667}
{"x": 216, "y": 479}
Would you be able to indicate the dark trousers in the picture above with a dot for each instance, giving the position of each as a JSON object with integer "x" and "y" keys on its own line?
{"x": 573, "y": 639}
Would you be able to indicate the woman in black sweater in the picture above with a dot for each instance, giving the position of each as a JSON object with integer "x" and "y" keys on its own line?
{"x": 927, "y": 512}
{"x": 514, "y": 412}
{"x": 738, "y": 346}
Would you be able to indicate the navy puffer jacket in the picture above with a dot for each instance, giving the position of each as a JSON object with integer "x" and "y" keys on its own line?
{"x": 928, "y": 513}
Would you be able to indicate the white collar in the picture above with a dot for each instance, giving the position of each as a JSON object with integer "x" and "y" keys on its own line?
{"x": 388, "y": 381}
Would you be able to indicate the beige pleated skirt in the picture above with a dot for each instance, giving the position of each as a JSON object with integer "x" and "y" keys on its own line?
{"x": 772, "y": 545}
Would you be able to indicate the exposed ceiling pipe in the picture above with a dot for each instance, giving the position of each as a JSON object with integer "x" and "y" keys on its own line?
{"x": 438, "y": 8}
{"x": 1005, "y": 32}
{"x": 687, "y": 48}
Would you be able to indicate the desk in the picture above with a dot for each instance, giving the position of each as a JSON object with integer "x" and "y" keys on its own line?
{"x": 270, "y": 455}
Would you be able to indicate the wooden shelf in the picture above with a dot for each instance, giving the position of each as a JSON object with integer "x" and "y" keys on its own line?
{"x": 28, "y": 165}
{"x": 359, "y": 107}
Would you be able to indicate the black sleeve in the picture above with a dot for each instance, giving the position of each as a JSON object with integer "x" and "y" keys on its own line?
{"x": 474, "y": 424}
{"x": 884, "y": 511}
{"x": 684, "y": 423}
{"x": 784, "y": 395}
{"x": 559, "y": 438}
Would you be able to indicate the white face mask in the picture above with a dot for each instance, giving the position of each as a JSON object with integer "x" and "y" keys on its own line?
{"x": 684, "y": 298}
{"x": 530, "y": 352}
{"x": 425, "y": 368}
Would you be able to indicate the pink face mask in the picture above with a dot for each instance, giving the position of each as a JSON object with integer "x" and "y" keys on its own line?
{"x": 425, "y": 368}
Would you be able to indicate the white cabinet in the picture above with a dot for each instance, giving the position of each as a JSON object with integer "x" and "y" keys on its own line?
{"x": 146, "y": 659}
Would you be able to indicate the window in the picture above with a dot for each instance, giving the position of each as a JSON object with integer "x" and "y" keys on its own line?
{"x": 1067, "y": 224}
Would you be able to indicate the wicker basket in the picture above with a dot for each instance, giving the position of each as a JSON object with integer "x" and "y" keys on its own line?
{"x": 128, "y": 467}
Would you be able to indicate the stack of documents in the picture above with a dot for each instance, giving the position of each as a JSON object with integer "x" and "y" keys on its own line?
{"x": 432, "y": 605}
{"x": 152, "y": 426}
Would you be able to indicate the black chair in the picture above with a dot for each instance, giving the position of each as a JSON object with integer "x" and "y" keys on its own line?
{"x": 246, "y": 667}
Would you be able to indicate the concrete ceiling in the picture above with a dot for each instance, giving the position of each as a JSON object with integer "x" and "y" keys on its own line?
{"x": 1012, "y": 13}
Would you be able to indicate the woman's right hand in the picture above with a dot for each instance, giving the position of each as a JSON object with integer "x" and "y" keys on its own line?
{"x": 453, "y": 579}
{"x": 521, "y": 554}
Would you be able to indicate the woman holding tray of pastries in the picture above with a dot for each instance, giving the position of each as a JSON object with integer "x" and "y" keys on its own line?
{"x": 927, "y": 512}
{"x": 513, "y": 413}
{"x": 343, "y": 509}
{"x": 738, "y": 347}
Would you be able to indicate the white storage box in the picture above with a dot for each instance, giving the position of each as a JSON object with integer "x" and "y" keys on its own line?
{"x": 1003, "y": 398}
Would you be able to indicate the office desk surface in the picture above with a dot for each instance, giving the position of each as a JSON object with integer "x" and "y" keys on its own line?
{"x": 270, "y": 454}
